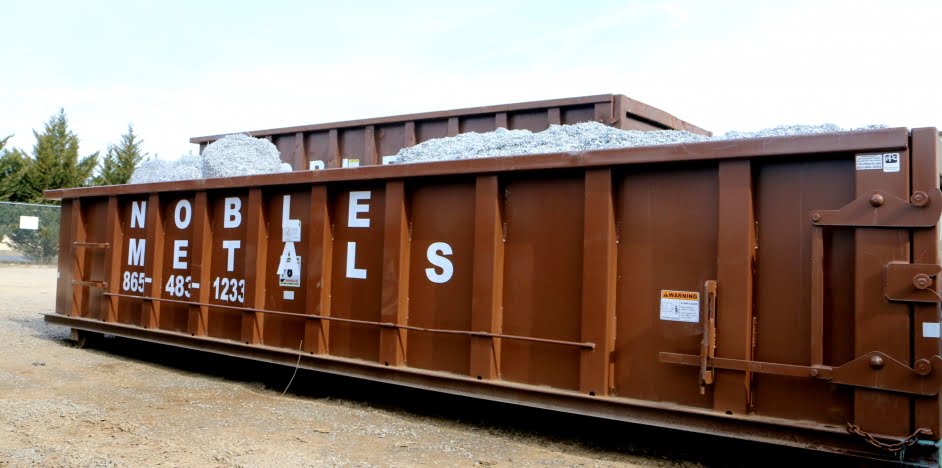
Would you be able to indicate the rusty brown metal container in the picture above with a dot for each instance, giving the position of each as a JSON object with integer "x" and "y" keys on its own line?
{"x": 782, "y": 290}
{"x": 373, "y": 141}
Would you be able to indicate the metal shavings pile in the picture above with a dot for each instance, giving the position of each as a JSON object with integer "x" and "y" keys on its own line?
{"x": 230, "y": 156}
{"x": 238, "y": 155}
{"x": 158, "y": 170}
{"x": 579, "y": 137}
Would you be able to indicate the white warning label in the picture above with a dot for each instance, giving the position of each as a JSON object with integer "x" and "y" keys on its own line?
{"x": 680, "y": 306}
{"x": 888, "y": 162}
{"x": 869, "y": 162}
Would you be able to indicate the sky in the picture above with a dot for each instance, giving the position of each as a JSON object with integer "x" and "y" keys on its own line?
{"x": 180, "y": 69}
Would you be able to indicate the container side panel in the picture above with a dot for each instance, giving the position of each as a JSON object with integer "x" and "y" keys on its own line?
{"x": 356, "y": 270}
{"x": 286, "y": 209}
{"x": 478, "y": 123}
{"x": 787, "y": 192}
{"x": 534, "y": 121}
{"x": 286, "y": 145}
{"x": 440, "y": 292}
{"x": 132, "y": 216}
{"x": 390, "y": 139}
{"x": 353, "y": 144}
{"x": 426, "y": 130}
{"x": 667, "y": 221}
{"x": 227, "y": 282}
{"x": 577, "y": 114}
{"x": 543, "y": 279}
{"x": 317, "y": 148}
{"x": 175, "y": 262}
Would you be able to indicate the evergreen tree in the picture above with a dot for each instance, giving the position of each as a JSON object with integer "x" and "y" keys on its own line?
{"x": 121, "y": 160}
{"x": 56, "y": 162}
{"x": 13, "y": 164}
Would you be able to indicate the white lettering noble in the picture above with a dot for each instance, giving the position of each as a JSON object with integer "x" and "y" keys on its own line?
{"x": 136, "y": 248}
{"x": 285, "y": 210}
{"x": 435, "y": 255}
{"x": 352, "y": 270}
{"x": 183, "y": 214}
{"x": 232, "y": 217}
{"x": 137, "y": 214}
{"x": 231, "y": 246}
{"x": 179, "y": 254}
{"x": 356, "y": 207}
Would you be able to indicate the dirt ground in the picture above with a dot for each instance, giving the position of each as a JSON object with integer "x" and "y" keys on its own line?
{"x": 121, "y": 403}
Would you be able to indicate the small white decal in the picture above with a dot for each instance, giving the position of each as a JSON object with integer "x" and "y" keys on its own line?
{"x": 289, "y": 273}
{"x": 891, "y": 162}
{"x": 930, "y": 330}
{"x": 29, "y": 222}
{"x": 291, "y": 231}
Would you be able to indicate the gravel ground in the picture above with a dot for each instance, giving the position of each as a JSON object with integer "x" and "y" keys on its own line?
{"x": 122, "y": 403}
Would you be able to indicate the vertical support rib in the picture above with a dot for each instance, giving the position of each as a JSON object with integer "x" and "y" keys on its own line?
{"x": 154, "y": 233}
{"x": 333, "y": 149}
{"x": 395, "y": 293}
{"x": 880, "y": 325}
{"x": 817, "y": 296}
{"x": 370, "y": 157}
{"x": 926, "y": 154}
{"x": 500, "y": 120}
{"x": 317, "y": 282}
{"x": 409, "y": 135}
{"x": 64, "y": 261}
{"x": 112, "y": 260}
{"x": 78, "y": 257}
{"x": 598, "y": 282}
{"x": 253, "y": 323}
{"x": 553, "y": 116}
{"x": 300, "y": 152}
{"x": 200, "y": 260}
{"x": 488, "y": 279}
{"x": 736, "y": 252}
{"x": 603, "y": 112}
{"x": 453, "y": 126}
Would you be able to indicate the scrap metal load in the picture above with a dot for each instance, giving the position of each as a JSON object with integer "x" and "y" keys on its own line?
{"x": 777, "y": 289}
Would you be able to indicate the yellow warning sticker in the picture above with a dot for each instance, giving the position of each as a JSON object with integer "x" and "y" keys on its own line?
{"x": 680, "y": 306}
